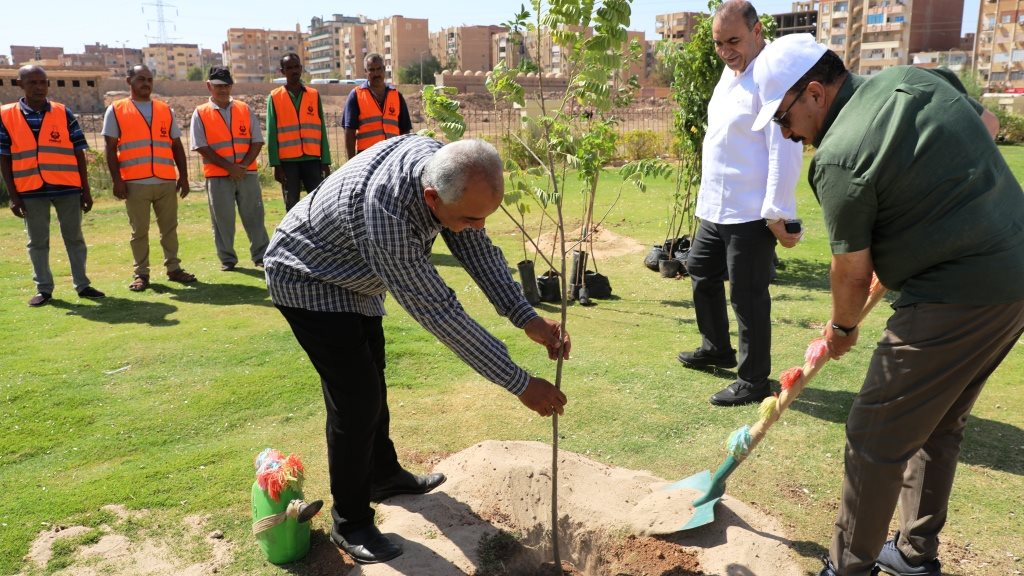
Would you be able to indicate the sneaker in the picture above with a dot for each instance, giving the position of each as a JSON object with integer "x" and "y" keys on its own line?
{"x": 893, "y": 562}
{"x": 739, "y": 393}
{"x": 90, "y": 292}
{"x": 39, "y": 299}
{"x": 702, "y": 359}
{"x": 830, "y": 569}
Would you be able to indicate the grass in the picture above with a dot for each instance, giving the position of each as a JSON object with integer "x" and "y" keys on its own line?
{"x": 161, "y": 400}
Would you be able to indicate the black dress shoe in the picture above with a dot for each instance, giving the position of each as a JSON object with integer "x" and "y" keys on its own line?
{"x": 405, "y": 482}
{"x": 739, "y": 393}
{"x": 366, "y": 545}
{"x": 700, "y": 359}
{"x": 39, "y": 299}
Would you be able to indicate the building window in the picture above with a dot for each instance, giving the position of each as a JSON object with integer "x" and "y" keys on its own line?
{"x": 876, "y": 18}
{"x": 1005, "y": 18}
{"x": 897, "y": 19}
{"x": 90, "y": 83}
{"x": 76, "y": 84}
{"x": 60, "y": 83}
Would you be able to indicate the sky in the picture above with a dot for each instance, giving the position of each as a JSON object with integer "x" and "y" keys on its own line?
{"x": 74, "y": 23}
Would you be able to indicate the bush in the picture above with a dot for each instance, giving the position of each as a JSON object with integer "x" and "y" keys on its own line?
{"x": 641, "y": 144}
{"x": 1011, "y": 128}
{"x": 525, "y": 147}
{"x": 99, "y": 173}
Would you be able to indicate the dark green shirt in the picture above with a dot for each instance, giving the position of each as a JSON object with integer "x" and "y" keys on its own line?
{"x": 905, "y": 167}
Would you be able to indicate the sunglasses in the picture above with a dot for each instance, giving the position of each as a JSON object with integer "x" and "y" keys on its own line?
{"x": 781, "y": 120}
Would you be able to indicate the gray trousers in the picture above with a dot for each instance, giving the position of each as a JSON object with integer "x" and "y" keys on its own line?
{"x": 37, "y": 225}
{"x": 222, "y": 195}
{"x": 904, "y": 431}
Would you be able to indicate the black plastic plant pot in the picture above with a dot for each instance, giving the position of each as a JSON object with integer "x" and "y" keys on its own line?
{"x": 550, "y": 289}
{"x": 656, "y": 255}
{"x": 597, "y": 286}
{"x": 674, "y": 245}
{"x": 529, "y": 279}
{"x": 669, "y": 268}
{"x": 681, "y": 256}
{"x": 579, "y": 267}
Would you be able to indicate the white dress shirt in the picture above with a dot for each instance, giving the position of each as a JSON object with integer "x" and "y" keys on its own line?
{"x": 746, "y": 175}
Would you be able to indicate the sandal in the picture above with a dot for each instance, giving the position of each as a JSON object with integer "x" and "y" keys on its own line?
{"x": 180, "y": 275}
{"x": 139, "y": 283}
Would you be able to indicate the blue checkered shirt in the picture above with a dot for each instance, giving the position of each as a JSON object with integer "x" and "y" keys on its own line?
{"x": 367, "y": 231}
{"x": 34, "y": 118}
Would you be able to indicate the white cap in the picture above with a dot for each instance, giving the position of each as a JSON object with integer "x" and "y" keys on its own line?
{"x": 778, "y": 67}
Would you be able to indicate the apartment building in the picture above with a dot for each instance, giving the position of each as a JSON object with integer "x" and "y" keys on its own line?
{"x": 871, "y": 35}
{"x": 335, "y": 47}
{"x": 401, "y": 41}
{"x": 254, "y": 54}
{"x": 803, "y": 18}
{"x": 23, "y": 54}
{"x": 999, "y": 45}
{"x": 677, "y": 26}
{"x": 465, "y": 47}
{"x": 171, "y": 61}
{"x": 116, "y": 59}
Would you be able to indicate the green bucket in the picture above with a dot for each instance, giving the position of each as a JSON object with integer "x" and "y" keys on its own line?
{"x": 287, "y": 541}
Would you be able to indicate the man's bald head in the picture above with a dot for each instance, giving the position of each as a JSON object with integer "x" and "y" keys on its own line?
{"x": 30, "y": 69}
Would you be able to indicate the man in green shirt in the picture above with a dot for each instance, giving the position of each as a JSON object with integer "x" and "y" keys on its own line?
{"x": 300, "y": 156}
{"x": 913, "y": 189}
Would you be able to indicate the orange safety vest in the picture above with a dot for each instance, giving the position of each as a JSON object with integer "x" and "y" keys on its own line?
{"x": 53, "y": 162}
{"x": 376, "y": 124}
{"x": 144, "y": 150}
{"x": 297, "y": 134}
{"x": 230, "y": 143}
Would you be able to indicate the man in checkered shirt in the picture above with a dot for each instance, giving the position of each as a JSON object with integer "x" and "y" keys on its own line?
{"x": 368, "y": 230}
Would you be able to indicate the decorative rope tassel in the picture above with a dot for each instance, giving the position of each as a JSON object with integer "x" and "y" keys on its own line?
{"x": 298, "y": 509}
{"x": 739, "y": 442}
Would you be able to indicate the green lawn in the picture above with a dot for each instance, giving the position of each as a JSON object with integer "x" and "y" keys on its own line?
{"x": 160, "y": 400}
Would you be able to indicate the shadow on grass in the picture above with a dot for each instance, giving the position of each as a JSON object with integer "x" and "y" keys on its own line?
{"x": 809, "y": 274}
{"x": 985, "y": 441}
{"x": 113, "y": 310}
{"x": 200, "y": 292}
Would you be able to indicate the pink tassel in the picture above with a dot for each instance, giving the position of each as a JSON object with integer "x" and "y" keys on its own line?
{"x": 790, "y": 377}
{"x": 816, "y": 351}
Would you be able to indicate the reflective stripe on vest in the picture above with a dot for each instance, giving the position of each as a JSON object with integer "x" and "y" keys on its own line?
{"x": 297, "y": 134}
{"x": 376, "y": 124}
{"x": 231, "y": 144}
{"x": 34, "y": 165}
{"x": 144, "y": 150}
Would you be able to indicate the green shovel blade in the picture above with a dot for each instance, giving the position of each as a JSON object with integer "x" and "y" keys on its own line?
{"x": 713, "y": 489}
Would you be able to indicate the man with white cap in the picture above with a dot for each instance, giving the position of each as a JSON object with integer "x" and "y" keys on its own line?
{"x": 747, "y": 190}
{"x": 912, "y": 188}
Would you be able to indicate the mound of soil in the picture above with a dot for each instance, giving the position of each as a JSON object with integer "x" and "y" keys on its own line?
{"x": 497, "y": 488}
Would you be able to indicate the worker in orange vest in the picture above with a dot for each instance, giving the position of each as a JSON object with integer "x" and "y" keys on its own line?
{"x": 374, "y": 111}
{"x": 297, "y": 145}
{"x": 143, "y": 144}
{"x": 226, "y": 133}
{"x": 42, "y": 158}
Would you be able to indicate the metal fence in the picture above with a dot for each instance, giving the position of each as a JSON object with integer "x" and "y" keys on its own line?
{"x": 486, "y": 124}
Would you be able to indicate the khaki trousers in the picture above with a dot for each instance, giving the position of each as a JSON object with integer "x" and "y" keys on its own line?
{"x": 906, "y": 425}
{"x": 164, "y": 201}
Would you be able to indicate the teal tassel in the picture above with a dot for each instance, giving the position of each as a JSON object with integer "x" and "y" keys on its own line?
{"x": 739, "y": 442}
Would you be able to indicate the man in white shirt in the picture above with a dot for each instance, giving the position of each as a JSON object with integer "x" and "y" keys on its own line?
{"x": 747, "y": 191}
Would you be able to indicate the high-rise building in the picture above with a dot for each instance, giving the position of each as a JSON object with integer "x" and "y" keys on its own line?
{"x": 22, "y": 54}
{"x": 335, "y": 48}
{"x": 872, "y": 35}
{"x": 677, "y": 26}
{"x": 999, "y": 44}
{"x": 803, "y": 18}
{"x": 254, "y": 54}
{"x": 465, "y": 47}
{"x": 171, "y": 61}
{"x": 401, "y": 41}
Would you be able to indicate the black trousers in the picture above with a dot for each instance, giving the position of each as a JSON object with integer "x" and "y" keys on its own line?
{"x": 741, "y": 253}
{"x": 306, "y": 174}
{"x": 347, "y": 350}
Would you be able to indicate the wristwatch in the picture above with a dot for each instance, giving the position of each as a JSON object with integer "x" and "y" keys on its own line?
{"x": 842, "y": 330}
